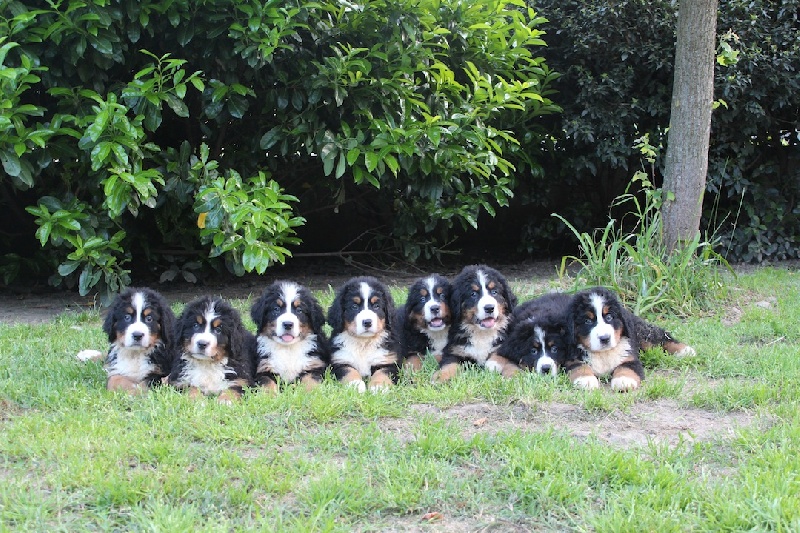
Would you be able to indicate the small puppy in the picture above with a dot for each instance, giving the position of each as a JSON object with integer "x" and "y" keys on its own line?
{"x": 481, "y": 303}
{"x": 537, "y": 335}
{"x": 364, "y": 343}
{"x": 216, "y": 354}
{"x": 139, "y": 325}
{"x": 424, "y": 320}
{"x": 605, "y": 339}
{"x": 291, "y": 344}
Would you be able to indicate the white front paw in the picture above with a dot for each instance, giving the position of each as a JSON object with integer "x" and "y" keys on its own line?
{"x": 586, "y": 382}
{"x": 686, "y": 352}
{"x": 358, "y": 384}
{"x": 494, "y": 366}
{"x": 624, "y": 384}
{"x": 379, "y": 387}
{"x": 89, "y": 355}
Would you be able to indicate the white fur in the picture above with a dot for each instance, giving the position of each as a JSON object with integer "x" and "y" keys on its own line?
{"x": 486, "y": 299}
{"x": 139, "y": 303}
{"x": 357, "y": 384}
{"x": 361, "y": 353}
{"x": 686, "y": 352}
{"x": 605, "y": 362}
{"x": 546, "y": 360}
{"x": 366, "y": 314}
{"x": 586, "y": 382}
{"x": 289, "y": 295}
{"x": 438, "y": 341}
{"x": 482, "y": 340}
{"x": 90, "y": 355}
{"x": 288, "y": 361}
{"x": 426, "y": 309}
{"x": 207, "y": 336}
{"x": 602, "y": 328}
{"x": 624, "y": 383}
{"x": 493, "y": 366}
{"x": 206, "y": 375}
{"x": 132, "y": 362}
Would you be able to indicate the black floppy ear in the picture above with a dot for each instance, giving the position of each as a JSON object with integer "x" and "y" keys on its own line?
{"x": 316, "y": 315}
{"x": 335, "y": 317}
{"x": 108, "y": 322}
{"x": 257, "y": 311}
{"x": 167, "y": 322}
{"x": 391, "y": 314}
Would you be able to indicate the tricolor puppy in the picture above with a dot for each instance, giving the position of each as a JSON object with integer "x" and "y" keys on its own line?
{"x": 424, "y": 320}
{"x": 481, "y": 303}
{"x": 216, "y": 354}
{"x": 139, "y": 325}
{"x": 292, "y": 346}
{"x": 536, "y": 338}
{"x": 364, "y": 343}
{"x": 605, "y": 339}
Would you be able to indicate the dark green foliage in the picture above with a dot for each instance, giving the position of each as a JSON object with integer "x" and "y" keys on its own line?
{"x": 141, "y": 128}
{"x": 616, "y": 59}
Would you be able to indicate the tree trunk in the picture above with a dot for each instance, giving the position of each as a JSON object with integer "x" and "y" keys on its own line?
{"x": 690, "y": 121}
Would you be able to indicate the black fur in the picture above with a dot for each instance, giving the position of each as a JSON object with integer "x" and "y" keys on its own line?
{"x": 234, "y": 355}
{"x": 156, "y": 322}
{"x": 417, "y": 336}
{"x": 306, "y": 354}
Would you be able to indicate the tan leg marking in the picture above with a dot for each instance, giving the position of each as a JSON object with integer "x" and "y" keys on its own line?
{"x": 446, "y": 373}
{"x": 270, "y": 386}
{"x": 584, "y": 378}
{"x": 309, "y": 382}
{"x": 380, "y": 380}
{"x": 125, "y": 384}
{"x": 228, "y": 396}
{"x": 623, "y": 379}
{"x": 195, "y": 393}
{"x": 412, "y": 363}
{"x": 679, "y": 349}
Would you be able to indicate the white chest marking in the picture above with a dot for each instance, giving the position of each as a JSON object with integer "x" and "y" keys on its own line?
{"x": 482, "y": 341}
{"x": 603, "y": 363}
{"x": 206, "y": 375}
{"x": 438, "y": 341}
{"x": 361, "y": 353}
{"x": 287, "y": 361}
{"x": 133, "y": 362}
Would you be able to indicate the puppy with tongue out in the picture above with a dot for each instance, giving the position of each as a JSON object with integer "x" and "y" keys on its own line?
{"x": 481, "y": 302}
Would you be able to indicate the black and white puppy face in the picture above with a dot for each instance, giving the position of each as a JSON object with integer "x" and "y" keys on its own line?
{"x": 427, "y": 305}
{"x": 543, "y": 345}
{"x": 481, "y": 297}
{"x": 363, "y": 307}
{"x": 598, "y": 320}
{"x": 138, "y": 319}
{"x": 287, "y": 313}
{"x": 207, "y": 328}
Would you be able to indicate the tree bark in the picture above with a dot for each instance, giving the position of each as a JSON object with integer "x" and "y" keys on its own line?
{"x": 690, "y": 121}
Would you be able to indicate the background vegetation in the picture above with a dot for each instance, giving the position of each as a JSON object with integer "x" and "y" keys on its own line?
{"x": 164, "y": 137}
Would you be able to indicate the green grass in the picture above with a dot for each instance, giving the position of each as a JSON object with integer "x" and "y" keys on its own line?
{"x": 483, "y": 451}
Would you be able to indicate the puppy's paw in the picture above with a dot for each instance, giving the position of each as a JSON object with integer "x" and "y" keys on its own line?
{"x": 687, "y": 351}
{"x": 624, "y": 384}
{"x": 494, "y": 366}
{"x": 357, "y": 384}
{"x": 90, "y": 355}
{"x": 586, "y": 382}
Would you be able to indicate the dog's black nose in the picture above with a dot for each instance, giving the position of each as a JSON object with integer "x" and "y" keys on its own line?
{"x": 287, "y": 325}
{"x": 138, "y": 336}
{"x": 202, "y": 345}
{"x": 435, "y": 310}
{"x": 367, "y": 323}
{"x": 489, "y": 309}
{"x": 604, "y": 339}
{"x": 546, "y": 369}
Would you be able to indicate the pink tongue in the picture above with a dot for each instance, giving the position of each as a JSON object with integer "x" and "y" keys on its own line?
{"x": 436, "y": 322}
{"x": 487, "y": 323}
{"x": 287, "y": 338}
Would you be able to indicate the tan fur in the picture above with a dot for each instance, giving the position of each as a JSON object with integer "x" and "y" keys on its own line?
{"x": 446, "y": 373}
{"x": 380, "y": 379}
{"x": 309, "y": 382}
{"x": 117, "y": 382}
{"x": 412, "y": 363}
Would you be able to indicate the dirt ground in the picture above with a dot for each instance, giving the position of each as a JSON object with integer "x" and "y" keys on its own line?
{"x": 662, "y": 422}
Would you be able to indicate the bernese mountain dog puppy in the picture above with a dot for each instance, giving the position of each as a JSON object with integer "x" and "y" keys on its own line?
{"x": 291, "y": 344}
{"x": 481, "y": 304}
{"x": 140, "y": 328}
{"x": 605, "y": 339}
{"x": 424, "y": 320}
{"x": 216, "y": 354}
{"x": 536, "y": 338}
{"x": 364, "y": 341}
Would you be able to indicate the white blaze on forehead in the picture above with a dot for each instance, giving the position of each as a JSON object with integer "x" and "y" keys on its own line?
{"x": 365, "y": 293}
{"x": 486, "y": 299}
{"x": 601, "y": 328}
{"x": 544, "y": 360}
{"x": 289, "y": 292}
{"x": 210, "y": 314}
{"x": 139, "y": 303}
{"x": 431, "y": 284}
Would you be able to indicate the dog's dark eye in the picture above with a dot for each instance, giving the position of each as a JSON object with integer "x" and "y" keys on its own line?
{"x": 589, "y": 320}
{"x": 197, "y": 326}
{"x": 609, "y": 317}
{"x": 536, "y": 347}
{"x": 353, "y": 305}
{"x": 493, "y": 292}
{"x": 148, "y": 319}
{"x": 300, "y": 311}
{"x": 554, "y": 349}
{"x": 217, "y": 330}
{"x": 376, "y": 304}
{"x": 127, "y": 318}
{"x": 423, "y": 299}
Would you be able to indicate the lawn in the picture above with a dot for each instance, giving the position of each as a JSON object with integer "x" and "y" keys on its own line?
{"x": 708, "y": 443}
